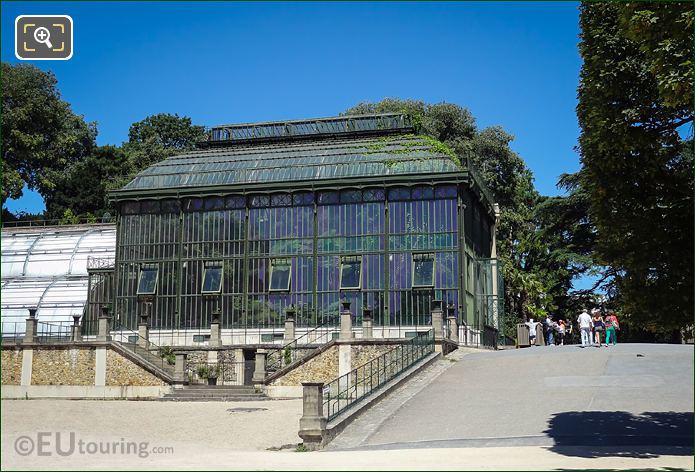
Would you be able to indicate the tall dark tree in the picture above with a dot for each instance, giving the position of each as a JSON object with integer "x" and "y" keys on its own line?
{"x": 41, "y": 136}
{"x": 635, "y": 96}
{"x": 83, "y": 188}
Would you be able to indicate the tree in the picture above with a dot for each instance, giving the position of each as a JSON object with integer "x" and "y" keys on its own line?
{"x": 635, "y": 93}
{"x": 83, "y": 188}
{"x": 41, "y": 136}
{"x": 160, "y": 136}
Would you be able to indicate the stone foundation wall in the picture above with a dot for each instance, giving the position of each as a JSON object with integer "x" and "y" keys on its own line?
{"x": 361, "y": 354}
{"x": 122, "y": 372}
{"x": 11, "y": 367}
{"x": 322, "y": 368}
{"x": 63, "y": 367}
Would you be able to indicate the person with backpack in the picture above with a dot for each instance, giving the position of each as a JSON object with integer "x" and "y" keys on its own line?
{"x": 599, "y": 326}
{"x": 612, "y": 327}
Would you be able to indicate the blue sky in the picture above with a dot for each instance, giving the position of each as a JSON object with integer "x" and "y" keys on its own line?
{"x": 513, "y": 64}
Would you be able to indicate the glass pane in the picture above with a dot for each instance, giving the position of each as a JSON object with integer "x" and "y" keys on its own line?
{"x": 170, "y": 206}
{"x": 150, "y": 206}
{"x": 193, "y": 204}
{"x": 423, "y": 273}
{"x": 235, "y": 202}
{"x": 350, "y": 274}
{"x": 212, "y": 280}
{"x": 130, "y": 208}
{"x": 280, "y": 276}
{"x": 214, "y": 203}
{"x": 148, "y": 281}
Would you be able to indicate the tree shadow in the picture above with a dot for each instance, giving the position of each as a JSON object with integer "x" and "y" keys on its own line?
{"x": 618, "y": 433}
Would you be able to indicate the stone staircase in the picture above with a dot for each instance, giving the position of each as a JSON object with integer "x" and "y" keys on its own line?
{"x": 146, "y": 359}
{"x": 211, "y": 393}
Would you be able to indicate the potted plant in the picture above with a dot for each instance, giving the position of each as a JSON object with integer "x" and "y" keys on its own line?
{"x": 209, "y": 373}
{"x": 212, "y": 376}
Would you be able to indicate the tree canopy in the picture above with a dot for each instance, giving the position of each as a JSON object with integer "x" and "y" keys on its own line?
{"x": 41, "y": 136}
{"x": 635, "y": 96}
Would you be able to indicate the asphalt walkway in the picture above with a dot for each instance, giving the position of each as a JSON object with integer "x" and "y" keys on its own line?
{"x": 635, "y": 399}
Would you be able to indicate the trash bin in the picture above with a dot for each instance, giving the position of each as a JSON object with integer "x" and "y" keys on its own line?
{"x": 540, "y": 335}
{"x": 522, "y": 335}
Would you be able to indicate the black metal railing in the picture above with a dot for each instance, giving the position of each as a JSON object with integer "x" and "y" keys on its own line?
{"x": 490, "y": 337}
{"x": 81, "y": 220}
{"x": 301, "y": 347}
{"x": 12, "y": 331}
{"x": 159, "y": 356}
{"x": 53, "y": 332}
{"x": 349, "y": 389}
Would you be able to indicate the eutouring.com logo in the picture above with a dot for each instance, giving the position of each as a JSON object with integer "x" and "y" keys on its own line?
{"x": 46, "y": 444}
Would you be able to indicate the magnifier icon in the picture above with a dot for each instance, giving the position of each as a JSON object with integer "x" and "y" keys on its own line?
{"x": 42, "y": 35}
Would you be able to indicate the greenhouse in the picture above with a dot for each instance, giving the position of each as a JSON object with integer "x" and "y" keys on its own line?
{"x": 303, "y": 214}
{"x": 46, "y": 268}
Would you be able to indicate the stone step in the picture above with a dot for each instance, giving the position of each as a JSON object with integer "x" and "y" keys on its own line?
{"x": 218, "y": 387}
{"x": 228, "y": 398}
{"x": 213, "y": 394}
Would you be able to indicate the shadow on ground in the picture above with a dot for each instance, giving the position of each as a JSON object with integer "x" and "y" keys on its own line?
{"x": 621, "y": 434}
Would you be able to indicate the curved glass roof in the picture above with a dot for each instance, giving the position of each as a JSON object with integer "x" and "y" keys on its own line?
{"x": 305, "y": 160}
{"x": 46, "y": 268}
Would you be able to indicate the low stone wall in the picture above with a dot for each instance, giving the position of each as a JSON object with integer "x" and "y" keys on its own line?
{"x": 11, "y": 367}
{"x": 124, "y": 373}
{"x": 56, "y": 366}
{"x": 322, "y": 368}
{"x": 89, "y": 370}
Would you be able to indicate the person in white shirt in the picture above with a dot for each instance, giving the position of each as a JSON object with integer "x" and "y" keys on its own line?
{"x": 531, "y": 331}
{"x": 584, "y": 321}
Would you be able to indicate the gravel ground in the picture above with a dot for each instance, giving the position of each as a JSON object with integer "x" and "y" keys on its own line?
{"x": 185, "y": 426}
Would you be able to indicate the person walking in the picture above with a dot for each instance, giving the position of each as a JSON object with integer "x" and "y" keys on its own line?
{"x": 531, "y": 331}
{"x": 599, "y": 326}
{"x": 584, "y": 321}
{"x": 612, "y": 327}
{"x": 561, "y": 329}
{"x": 549, "y": 330}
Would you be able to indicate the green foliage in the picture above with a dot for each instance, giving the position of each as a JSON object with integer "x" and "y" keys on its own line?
{"x": 69, "y": 218}
{"x": 287, "y": 354}
{"x": 207, "y": 371}
{"x": 637, "y": 171}
{"x": 85, "y": 184}
{"x": 41, "y": 136}
{"x": 167, "y": 353}
{"x": 160, "y": 136}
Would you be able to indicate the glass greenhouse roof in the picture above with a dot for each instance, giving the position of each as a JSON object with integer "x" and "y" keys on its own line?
{"x": 46, "y": 268}
{"x": 350, "y": 155}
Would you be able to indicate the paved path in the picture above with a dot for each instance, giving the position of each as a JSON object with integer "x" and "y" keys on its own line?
{"x": 635, "y": 399}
